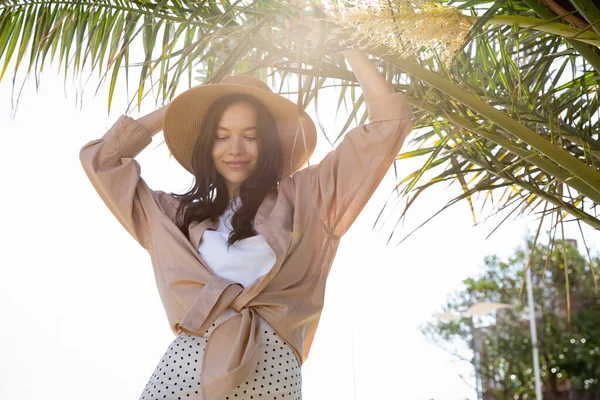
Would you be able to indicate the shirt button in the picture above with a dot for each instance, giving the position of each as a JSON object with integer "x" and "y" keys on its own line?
{"x": 272, "y": 240}
{"x": 259, "y": 221}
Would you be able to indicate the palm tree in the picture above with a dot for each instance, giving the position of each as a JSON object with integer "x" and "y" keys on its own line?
{"x": 513, "y": 116}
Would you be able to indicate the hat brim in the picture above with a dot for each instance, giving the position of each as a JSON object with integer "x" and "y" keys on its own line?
{"x": 183, "y": 119}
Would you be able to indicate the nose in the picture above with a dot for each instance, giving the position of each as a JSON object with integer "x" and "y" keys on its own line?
{"x": 237, "y": 146}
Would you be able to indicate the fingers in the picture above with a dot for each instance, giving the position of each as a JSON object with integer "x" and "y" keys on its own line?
{"x": 309, "y": 21}
{"x": 306, "y": 10}
{"x": 298, "y": 3}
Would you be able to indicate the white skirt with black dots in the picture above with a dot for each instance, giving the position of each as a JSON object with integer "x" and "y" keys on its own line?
{"x": 177, "y": 376}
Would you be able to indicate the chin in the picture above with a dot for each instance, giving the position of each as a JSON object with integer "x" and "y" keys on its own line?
{"x": 238, "y": 181}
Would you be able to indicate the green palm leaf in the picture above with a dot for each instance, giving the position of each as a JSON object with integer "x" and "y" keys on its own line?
{"x": 513, "y": 118}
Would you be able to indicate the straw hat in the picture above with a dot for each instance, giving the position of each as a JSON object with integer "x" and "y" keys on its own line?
{"x": 183, "y": 118}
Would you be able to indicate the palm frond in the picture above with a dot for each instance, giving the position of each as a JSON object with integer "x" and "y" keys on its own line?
{"x": 513, "y": 117}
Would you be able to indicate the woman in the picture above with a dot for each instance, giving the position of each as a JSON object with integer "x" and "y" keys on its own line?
{"x": 241, "y": 260}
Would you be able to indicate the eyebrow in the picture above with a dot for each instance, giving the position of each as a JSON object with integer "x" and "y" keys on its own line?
{"x": 222, "y": 128}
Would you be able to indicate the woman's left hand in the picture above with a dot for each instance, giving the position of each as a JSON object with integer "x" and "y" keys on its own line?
{"x": 312, "y": 22}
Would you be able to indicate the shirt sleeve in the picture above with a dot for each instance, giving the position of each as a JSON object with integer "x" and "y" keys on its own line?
{"x": 341, "y": 184}
{"x": 111, "y": 168}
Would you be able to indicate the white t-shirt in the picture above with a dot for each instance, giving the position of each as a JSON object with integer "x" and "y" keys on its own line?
{"x": 244, "y": 262}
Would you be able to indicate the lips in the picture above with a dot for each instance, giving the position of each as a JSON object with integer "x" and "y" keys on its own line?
{"x": 237, "y": 164}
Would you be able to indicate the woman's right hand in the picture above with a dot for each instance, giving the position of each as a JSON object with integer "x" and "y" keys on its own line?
{"x": 154, "y": 120}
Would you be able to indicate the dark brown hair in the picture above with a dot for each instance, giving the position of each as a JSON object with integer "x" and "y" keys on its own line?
{"x": 208, "y": 197}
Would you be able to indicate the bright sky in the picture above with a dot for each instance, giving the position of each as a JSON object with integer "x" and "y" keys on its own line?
{"x": 80, "y": 313}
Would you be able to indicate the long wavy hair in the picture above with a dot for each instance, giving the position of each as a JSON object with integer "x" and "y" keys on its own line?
{"x": 208, "y": 197}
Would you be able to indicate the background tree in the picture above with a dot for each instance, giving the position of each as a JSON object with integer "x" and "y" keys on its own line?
{"x": 510, "y": 113}
{"x": 569, "y": 352}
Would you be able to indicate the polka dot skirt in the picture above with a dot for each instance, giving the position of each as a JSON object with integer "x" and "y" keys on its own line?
{"x": 177, "y": 376}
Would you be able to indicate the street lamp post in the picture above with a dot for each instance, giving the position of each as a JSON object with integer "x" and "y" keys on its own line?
{"x": 533, "y": 331}
{"x": 475, "y": 346}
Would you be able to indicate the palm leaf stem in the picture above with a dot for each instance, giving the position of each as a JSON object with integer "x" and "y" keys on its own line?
{"x": 569, "y": 132}
{"x": 590, "y": 177}
{"x": 507, "y": 176}
{"x": 588, "y": 52}
{"x": 555, "y": 28}
{"x": 531, "y": 157}
{"x": 590, "y": 12}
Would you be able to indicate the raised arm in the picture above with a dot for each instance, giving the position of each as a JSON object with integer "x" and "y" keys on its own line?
{"x": 371, "y": 81}
{"x": 111, "y": 168}
{"x": 153, "y": 121}
{"x": 342, "y": 183}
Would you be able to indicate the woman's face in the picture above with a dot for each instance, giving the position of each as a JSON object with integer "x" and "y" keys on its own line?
{"x": 235, "y": 151}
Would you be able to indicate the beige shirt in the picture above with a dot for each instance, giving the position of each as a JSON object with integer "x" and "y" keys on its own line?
{"x": 303, "y": 224}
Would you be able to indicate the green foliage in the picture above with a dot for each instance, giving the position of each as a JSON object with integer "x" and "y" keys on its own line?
{"x": 514, "y": 118}
{"x": 569, "y": 352}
